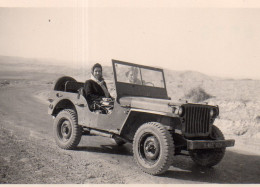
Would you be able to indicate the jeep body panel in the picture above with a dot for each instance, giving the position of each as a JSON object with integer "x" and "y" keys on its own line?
{"x": 120, "y": 115}
{"x": 149, "y": 104}
{"x": 59, "y": 99}
{"x": 110, "y": 122}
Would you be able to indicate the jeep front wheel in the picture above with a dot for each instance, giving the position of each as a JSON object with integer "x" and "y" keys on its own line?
{"x": 67, "y": 132}
{"x": 209, "y": 157}
{"x": 153, "y": 148}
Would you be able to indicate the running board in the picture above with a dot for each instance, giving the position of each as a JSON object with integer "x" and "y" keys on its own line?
{"x": 100, "y": 133}
{"x": 109, "y": 134}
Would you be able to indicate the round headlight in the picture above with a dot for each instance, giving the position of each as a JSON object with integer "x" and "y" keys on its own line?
{"x": 211, "y": 113}
{"x": 180, "y": 112}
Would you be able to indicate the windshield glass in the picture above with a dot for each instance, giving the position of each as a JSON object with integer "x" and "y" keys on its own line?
{"x": 141, "y": 76}
{"x": 152, "y": 78}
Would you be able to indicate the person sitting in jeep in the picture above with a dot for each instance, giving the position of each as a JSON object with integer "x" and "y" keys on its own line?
{"x": 96, "y": 89}
{"x": 132, "y": 76}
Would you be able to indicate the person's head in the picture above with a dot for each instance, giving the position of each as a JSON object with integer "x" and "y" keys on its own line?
{"x": 132, "y": 75}
{"x": 96, "y": 71}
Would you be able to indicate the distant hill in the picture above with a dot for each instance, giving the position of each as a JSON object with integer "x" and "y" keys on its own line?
{"x": 48, "y": 66}
{"x": 30, "y": 65}
{"x": 187, "y": 76}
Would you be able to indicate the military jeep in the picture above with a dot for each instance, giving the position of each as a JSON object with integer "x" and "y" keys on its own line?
{"x": 141, "y": 114}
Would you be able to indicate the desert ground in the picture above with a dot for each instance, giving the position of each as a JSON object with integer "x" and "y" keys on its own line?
{"x": 29, "y": 155}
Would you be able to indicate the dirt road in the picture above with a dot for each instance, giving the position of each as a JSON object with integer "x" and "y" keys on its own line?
{"x": 29, "y": 154}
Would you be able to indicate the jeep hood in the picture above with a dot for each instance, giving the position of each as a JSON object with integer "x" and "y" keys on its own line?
{"x": 152, "y": 104}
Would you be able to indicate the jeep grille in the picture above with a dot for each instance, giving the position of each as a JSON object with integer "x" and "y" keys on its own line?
{"x": 196, "y": 120}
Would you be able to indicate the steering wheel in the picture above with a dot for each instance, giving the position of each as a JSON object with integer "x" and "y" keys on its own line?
{"x": 149, "y": 83}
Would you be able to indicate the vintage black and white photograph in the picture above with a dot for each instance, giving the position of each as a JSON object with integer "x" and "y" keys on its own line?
{"x": 129, "y": 92}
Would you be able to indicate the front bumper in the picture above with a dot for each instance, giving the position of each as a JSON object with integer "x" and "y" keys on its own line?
{"x": 209, "y": 144}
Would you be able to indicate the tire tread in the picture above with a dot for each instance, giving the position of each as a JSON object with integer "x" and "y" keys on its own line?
{"x": 218, "y": 153}
{"x": 167, "y": 154}
{"x": 77, "y": 129}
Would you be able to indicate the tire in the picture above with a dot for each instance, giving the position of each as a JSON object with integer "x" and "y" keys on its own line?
{"x": 67, "y": 132}
{"x": 153, "y": 148}
{"x": 60, "y": 83}
{"x": 209, "y": 157}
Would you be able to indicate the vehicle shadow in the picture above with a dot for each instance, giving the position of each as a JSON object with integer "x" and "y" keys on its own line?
{"x": 109, "y": 149}
{"x": 234, "y": 168}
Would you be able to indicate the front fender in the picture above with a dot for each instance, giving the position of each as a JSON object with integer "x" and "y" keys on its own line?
{"x": 137, "y": 117}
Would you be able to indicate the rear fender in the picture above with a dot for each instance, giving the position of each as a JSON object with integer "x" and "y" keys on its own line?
{"x": 61, "y": 105}
{"x": 70, "y": 101}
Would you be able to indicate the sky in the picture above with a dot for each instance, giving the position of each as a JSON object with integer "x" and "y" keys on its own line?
{"x": 219, "y": 41}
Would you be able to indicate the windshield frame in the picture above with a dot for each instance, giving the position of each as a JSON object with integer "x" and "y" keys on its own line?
{"x": 139, "y": 90}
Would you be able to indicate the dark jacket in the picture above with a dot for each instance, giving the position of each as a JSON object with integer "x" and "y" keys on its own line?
{"x": 93, "y": 91}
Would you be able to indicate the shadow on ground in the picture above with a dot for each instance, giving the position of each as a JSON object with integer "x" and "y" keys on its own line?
{"x": 234, "y": 168}
{"x": 109, "y": 149}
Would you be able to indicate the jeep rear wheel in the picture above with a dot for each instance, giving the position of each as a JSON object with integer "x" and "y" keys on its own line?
{"x": 209, "y": 157}
{"x": 153, "y": 148}
{"x": 66, "y": 130}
